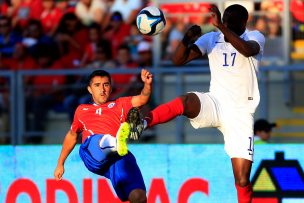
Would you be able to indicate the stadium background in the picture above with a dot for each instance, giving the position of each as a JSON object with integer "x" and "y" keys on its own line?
{"x": 26, "y": 88}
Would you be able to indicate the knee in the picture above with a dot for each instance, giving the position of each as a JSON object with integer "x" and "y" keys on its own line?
{"x": 242, "y": 181}
{"x": 138, "y": 196}
{"x": 192, "y": 105}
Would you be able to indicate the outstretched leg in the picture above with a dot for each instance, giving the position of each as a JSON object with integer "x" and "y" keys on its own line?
{"x": 187, "y": 105}
{"x": 241, "y": 170}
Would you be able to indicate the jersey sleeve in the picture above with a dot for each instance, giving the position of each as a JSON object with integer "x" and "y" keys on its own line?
{"x": 259, "y": 38}
{"x": 77, "y": 126}
{"x": 203, "y": 42}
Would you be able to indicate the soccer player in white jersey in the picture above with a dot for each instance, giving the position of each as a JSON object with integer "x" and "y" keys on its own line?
{"x": 234, "y": 53}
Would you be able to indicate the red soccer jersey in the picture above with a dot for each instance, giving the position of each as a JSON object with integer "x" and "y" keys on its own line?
{"x": 91, "y": 119}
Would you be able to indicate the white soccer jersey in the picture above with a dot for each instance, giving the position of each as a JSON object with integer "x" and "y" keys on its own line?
{"x": 233, "y": 76}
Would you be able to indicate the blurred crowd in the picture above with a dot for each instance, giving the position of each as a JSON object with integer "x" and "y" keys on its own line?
{"x": 69, "y": 34}
{"x": 84, "y": 34}
{"x": 74, "y": 34}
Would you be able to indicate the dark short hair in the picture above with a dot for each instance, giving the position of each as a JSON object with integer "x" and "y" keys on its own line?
{"x": 116, "y": 16}
{"x": 101, "y": 73}
{"x": 235, "y": 13}
{"x": 263, "y": 125}
{"x": 105, "y": 46}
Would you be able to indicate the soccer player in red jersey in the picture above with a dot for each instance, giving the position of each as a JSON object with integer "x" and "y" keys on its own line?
{"x": 105, "y": 126}
{"x": 234, "y": 53}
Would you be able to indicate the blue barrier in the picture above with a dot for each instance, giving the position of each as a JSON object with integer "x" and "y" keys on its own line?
{"x": 172, "y": 173}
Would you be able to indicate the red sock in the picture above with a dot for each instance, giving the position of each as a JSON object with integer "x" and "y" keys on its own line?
{"x": 244, "y": 193}
{"x": 165, "y": 112}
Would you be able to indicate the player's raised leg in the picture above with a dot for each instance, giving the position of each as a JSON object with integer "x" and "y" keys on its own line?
{"x": 241, "y": 170}
{"x": 187, "y": 105}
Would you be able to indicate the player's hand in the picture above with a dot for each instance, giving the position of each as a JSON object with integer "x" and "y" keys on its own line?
{"x": 146, "y": 76}
{"x": 59, "y": 172}
{"x": 192, "y": 34}
{"x": 215, "y": 16}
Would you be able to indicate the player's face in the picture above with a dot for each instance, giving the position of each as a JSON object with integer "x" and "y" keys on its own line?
{"x": 234, "y": 23}
{"x": 100, "y": 88}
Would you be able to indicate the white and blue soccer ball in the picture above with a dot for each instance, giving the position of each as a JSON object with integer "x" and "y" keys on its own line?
{"x": 150, "y": 20}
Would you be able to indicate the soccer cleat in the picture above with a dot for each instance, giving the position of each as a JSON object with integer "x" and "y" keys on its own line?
{"x": 121, "y": 139}
{"x": 136, "y": 122}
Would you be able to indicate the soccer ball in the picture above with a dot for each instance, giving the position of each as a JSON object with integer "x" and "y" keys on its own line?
{"x": 150, "y": 20}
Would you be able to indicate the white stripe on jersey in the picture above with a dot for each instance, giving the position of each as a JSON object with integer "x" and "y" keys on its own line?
{"x": 85, "y": 128}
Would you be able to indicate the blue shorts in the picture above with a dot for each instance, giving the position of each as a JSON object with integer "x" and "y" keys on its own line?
{"x": 123, "y": 171}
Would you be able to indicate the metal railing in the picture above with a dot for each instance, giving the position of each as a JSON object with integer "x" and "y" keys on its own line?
{"x": 165, "y": 80}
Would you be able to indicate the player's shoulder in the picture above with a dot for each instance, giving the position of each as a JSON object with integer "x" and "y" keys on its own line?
{"x": 84, "y": 107}
{"x": 209, "y": 37}
{"x": 254, "y": 33}
{"x": 211, "y": 34}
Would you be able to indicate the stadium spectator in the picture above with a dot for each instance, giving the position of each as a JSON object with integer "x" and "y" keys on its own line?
{"x": 164, "y": 38}
{"x": 272, "y": 6}
{"x": 274, "y": 25}
{"x": 272, "y": 10}
{"x": 205, "y": 23}
{"x": 5, "y": 7}
{"x": 234, "y": 94}
{"x": 128, "y": 8}
{"x": 25, "y": 11}
{"x": 133, "y": 39}
{"x": 91, "y": 11}
{"x": 8, "y": 37}
{"x": 145, "y": 56}
{"x": 34, "y": 36}
{"x": 261, "y": 24}
{"x": 117, "y": 31}
{"x": 21, "y": 60}
{"x": 71, "y": 37}
{"x": 43, "y": 93}
{"x": 175, "y": 36}
{"x": 50, "y": 16}
{"x": 9, "y": 7}
{"x": 90, "y": 48}
{"x": 105, "y": 126}
{"x": 123, "y": 83}
{"x": 64, "y": 6}
{"x": 102, "y": 56}
{"x": 262, "y": 131}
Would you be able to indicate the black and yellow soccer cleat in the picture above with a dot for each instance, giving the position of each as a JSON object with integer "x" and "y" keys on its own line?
{"x": 136, "y": 122}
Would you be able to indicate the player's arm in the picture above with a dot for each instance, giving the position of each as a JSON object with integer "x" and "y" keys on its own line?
{"x": 69, "y": 143}
{"x": 247, "y": 48}
{"x": 187, "y": 51}
{"x": 144, "y": 96}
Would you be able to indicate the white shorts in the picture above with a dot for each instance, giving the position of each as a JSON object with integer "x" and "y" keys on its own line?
{"x": 236, "y": 125}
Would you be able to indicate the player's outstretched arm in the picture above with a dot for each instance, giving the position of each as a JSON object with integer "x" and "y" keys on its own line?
{"x": 186, "y": 51}
{"x": 144, "y": 96}
{"x": 69, "y": 143}
{"x": 247, "y": 48}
